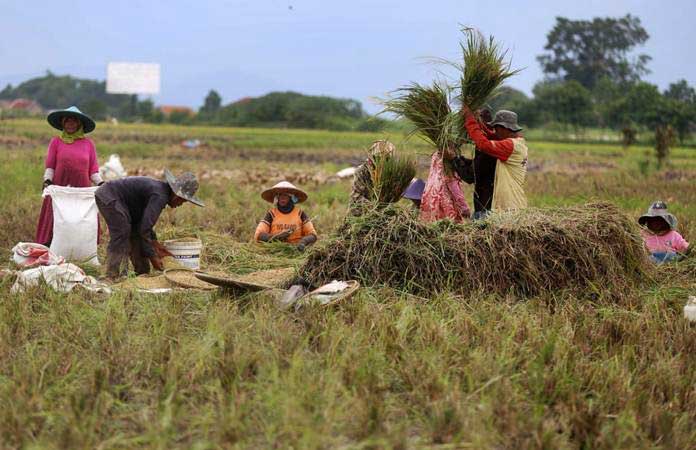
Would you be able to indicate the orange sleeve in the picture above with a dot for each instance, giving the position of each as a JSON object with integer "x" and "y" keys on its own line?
{"x": 498, "y": 149}
{"x": 262, "y": 227}
{"x": 308, "y": 229}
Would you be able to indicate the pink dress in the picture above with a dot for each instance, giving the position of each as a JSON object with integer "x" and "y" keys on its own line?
{"x": 443, "y": 196}
{"x": 73, "y": 164}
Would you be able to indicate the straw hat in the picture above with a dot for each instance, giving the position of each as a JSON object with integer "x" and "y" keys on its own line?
{"x": 56, "y": 119}
{"x": 284, "y": 187}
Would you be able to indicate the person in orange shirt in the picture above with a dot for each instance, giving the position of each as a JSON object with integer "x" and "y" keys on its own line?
{"x": 286, "y": 222}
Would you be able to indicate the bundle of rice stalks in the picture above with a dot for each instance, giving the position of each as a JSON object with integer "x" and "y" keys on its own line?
{"x": 428, "y": 108}
{"x": 525, "y": 252}
{"x": 391, "y": 176}
{"x": 483, "y": 68}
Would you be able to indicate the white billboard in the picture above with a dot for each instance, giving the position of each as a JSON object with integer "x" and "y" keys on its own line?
{"x": 132, "y": 78}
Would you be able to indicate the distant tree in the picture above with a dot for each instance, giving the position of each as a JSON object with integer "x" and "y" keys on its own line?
{"x": 97, "y": 109}
{"x": 567, "y": 102}
{"x": 291, "y": 109}
{"x": 54, "y": 92}
{"x": 212, "y": 103}
{"x": 681, "y": 105}
{"x": 179, "y": 117}
{"x": 508, "y": 98}
{"x": 682, "y": 92}
{"x": 640, "y": 104}
{"x": 587, "y": 51}
{"x": 372, "y": 124}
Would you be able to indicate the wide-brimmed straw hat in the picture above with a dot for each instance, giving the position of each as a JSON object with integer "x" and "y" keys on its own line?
{"x": 659, "y": 209}
{"x": 184, "y": 186}
{"x": 284, "y": 187}
{"x": 414, "y": 191}
{"x": 55, "y": 119}
{"x": 507, "y": 119}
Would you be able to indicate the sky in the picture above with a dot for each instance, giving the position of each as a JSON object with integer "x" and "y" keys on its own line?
{"x": 359, "y": 49}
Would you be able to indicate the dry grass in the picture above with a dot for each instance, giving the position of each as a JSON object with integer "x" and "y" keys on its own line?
{"x": 383, "y": 370}
{"x": 526, "y": 252}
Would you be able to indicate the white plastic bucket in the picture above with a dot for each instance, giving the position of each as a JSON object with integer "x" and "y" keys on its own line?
{"x": 187, "y": 251}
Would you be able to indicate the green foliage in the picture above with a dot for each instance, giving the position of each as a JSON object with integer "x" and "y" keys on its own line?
{"x": 212, "y": 103}
{"x": 508, "y": 98}
{"x": 566, "y": 102}
{"x": 587, "y": 51}
{"x": 294, "y": 110}
{"x": 56, "y": 92}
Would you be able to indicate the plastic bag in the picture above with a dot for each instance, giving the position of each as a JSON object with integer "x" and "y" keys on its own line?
{"x": 112, "y": 169}
{"x": 27, "y": 254}
{"x": 75, "y": 223}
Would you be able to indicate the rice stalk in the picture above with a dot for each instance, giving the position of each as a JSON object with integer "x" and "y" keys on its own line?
{"x": 428, "y": 108}
{"x": 391, "y": 176}
{"x": 484, "y": 69}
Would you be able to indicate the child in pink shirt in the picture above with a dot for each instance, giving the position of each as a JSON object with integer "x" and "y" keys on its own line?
{"x": 661, "y": 239}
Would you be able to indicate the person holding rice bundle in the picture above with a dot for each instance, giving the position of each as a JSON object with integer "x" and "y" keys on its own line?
{"x": 443, "y": 197}
{"x": 660, "y": 235}
{"x": 510, "y": 149}
{"x": 286, "y": 222}
{"x": 361, "y": 191}
{"x": 71, "y": 161}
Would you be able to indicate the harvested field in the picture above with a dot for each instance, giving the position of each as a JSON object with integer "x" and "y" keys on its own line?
{"x": 604, "y": 366}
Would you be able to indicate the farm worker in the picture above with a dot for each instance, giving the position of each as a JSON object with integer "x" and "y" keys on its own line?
{"x": 483, "y": 168}
{"x": 131, "y": 206}
{"x": 361, "y": 191}
{"x": 660, "y": 236}
{"x": 443, "y": 197}
{"x": 414, "y": 192}
{"x": 510, "y": 150}
{"x": 71, "y": 161}
{"x": 286, "y": 222}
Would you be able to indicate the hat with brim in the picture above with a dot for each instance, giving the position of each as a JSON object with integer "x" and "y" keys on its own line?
{"x": 55, "y": 119}
{"x": 506, "y": 119}
{"x": 185, "y": 186}
{"x": 284, "y": 187}
{"x": 414, "y": 191}
{"x": 662, "y": 214}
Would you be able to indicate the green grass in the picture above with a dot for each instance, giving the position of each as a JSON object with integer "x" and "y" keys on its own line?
{"x": 384, "y": 370}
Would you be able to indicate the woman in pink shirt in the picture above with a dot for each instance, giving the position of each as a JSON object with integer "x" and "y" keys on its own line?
{"x": 660, "y": 236}
{"x": 71, "y": 161}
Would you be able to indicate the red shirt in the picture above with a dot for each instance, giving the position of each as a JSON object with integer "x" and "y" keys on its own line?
{"x": 499, "y": 149}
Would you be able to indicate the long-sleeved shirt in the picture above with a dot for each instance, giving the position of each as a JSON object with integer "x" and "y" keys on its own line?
{"x": 670, "y": 242}
{"x": 144, "y": 199}
{"x": 511, "y": 168}
{"x": 484, "y": 174}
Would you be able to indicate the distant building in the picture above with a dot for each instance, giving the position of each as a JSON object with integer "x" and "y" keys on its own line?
{"x": 25, "y": 104}
{"x": 169, "y": 109}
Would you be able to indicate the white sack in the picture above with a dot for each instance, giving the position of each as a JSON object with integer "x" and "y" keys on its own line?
{"x": 74, "y": 223}
{"x": 62, "y": 278}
